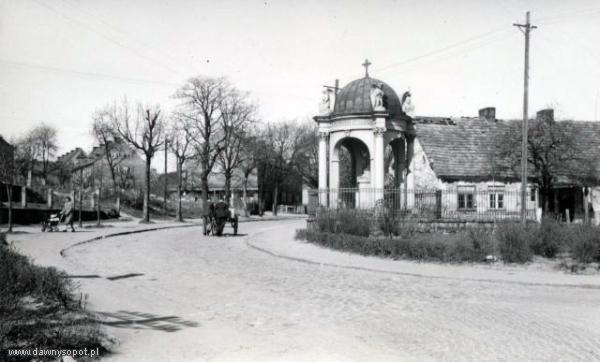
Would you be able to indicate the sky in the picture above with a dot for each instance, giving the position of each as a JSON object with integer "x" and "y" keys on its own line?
{"x": 62, "y": 59}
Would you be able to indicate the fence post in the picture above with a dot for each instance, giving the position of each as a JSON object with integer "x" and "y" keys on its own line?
{"x": 24, "y": 196}
{"x": 438, "y": 204}
{"x": 586, "y": 218}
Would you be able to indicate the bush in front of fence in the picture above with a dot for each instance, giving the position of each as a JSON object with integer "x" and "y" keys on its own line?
{"x": 358, "y": 230}
{"x": 585, "y": 243}
{"x": 347, "y": 221}
{"x": 514, "y": 243}
{"x": 550, "y": 238}
{"x": 464, "y": 246}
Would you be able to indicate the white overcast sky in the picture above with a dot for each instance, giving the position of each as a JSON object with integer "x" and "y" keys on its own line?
{"x": 61, "y": 59}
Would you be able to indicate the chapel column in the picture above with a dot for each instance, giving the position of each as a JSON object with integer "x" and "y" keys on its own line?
{"x": 379, "y": 162}
{"x": 323, "y": 168}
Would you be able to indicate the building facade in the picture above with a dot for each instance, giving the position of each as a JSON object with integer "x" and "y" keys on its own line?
{"x": 373, "y": 150}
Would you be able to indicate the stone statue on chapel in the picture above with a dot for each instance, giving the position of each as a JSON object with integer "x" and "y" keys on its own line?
{"x": 325, "y": 105}
{"x": 377, "y": 97}
{"x": 407, "y": 107}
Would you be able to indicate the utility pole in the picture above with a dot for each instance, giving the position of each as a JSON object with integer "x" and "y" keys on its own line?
{"x": 526, "y": 30}
{"x": 165, "y": 191}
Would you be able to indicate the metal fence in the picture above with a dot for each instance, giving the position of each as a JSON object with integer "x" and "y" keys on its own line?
{"x": 453, "y": 204}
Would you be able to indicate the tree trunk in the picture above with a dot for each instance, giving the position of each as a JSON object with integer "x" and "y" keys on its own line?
{"x": 80, "y": 206}
{"x": 118, "y": 201}
{"x": 179, "y": 213}
{"x": 98, "y": 206}
{"x": 9, "y": 193}
{"x": 204, "y": 186}
{"x": 165, "y": 191}
{"x": 545, "y": 200}
{"x": 146, "y": 207}
{"x": 275, "y": 191}
{"x": 227, "y": 185}
{"x": 245, "y": 195}
{"x": 98, "y": 209}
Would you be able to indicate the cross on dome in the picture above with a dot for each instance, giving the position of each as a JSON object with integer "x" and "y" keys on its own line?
{"x": 366, "y": 64}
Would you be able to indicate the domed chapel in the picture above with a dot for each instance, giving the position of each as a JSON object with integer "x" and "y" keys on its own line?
{"x": 363, "y": 117}
{"x": 372, "y": 148}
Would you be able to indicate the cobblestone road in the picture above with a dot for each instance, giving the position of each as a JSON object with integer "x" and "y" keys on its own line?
{"x": 190, "y": 297}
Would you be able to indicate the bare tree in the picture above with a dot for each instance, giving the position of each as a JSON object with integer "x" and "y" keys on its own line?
{"x": 7, "y": 176}
{"x": 105, "y": 135}
{"x": 554, "y": 151}
{"x": 236, "y": 117}
{"x": 284, "y": 142}
{"x": 28, "y": 152}
{"x": 45, "y": 141}
{"x": 250, "y": 148}
{"x": 201, "y": 106}
{"x": 180, "y": 145}
{"x": 307, "y": 164}
{"x": 144, "y": 131}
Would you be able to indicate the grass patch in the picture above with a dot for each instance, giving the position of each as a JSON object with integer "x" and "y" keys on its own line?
{"x": 38, "y": 308}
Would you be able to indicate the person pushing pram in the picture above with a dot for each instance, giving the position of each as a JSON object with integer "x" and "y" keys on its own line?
{"x": 66, "y": 214}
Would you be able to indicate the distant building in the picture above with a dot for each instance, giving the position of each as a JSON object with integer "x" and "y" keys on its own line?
{"x": 192, "y": 187}
{"x": 129, "y": 167}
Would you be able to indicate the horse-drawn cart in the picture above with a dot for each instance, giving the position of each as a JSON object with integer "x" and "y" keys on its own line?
{"x": 217, "y": 216}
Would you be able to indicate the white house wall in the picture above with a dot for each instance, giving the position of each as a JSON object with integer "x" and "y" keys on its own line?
{"x": 422, "y": 178}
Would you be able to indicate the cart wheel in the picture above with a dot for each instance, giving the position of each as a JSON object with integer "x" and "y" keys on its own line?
{"x": 235, "y": 225}
{"x": 220, "y": 226}
{"x": 213, "y": 227}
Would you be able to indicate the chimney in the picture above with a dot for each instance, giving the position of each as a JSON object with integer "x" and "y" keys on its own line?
{"x": 545, "y": 115}
{"x": 487, "y": 114}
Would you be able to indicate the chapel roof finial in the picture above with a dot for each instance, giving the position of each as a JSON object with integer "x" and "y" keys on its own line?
{"x": 366, "y": 64}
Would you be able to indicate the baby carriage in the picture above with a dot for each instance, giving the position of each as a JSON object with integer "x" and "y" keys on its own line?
{"x": 51, "y": 223}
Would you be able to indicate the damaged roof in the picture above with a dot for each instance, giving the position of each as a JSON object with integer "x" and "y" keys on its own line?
{"x": 464, "y": 148}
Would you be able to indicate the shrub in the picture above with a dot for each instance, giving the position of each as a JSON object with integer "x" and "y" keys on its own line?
{"x": 347, "y": 221}
{"x": 37, "y": 308}
{"x": 513, "y": 242}
{"x": 418, "y": 246}
{"x": 585, "y": 243}
{"x": 388, "y": 220}
{"x": 550, "y": 238}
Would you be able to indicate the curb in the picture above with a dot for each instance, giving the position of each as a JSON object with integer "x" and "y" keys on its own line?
{"x": 129, "y": 232}
{"x": 415, "y": 275}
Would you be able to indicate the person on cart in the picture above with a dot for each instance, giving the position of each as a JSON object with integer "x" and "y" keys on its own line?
{"x": 221, "y": 215}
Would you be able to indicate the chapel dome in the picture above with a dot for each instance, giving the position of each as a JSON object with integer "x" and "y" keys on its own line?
{"x": 355, "y": 97}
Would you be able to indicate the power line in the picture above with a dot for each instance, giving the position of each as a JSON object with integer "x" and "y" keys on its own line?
{"x": 441, "y": 50}
{"x": 86, "y": 74}
{"x": 571, "y": 14}
{"x": 106, "y": 37}
{"x": 119, "y": 30}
